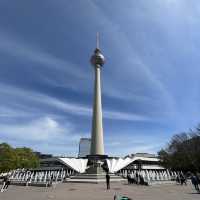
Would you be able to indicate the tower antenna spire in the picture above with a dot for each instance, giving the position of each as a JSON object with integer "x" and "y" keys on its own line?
{"x": 97, "y": 40}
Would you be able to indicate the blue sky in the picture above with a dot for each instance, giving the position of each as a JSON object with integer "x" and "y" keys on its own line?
{"x": 150, "y": 82}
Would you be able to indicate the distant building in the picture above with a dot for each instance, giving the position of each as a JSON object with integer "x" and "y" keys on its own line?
{"x": 84, "y": 147}
{"x": 145, "y": 155}
{"x": 42, "y": 155}
{"x": 143, "y": 161}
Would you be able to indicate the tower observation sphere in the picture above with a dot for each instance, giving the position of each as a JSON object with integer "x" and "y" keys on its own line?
{"x": 97, "y": 58}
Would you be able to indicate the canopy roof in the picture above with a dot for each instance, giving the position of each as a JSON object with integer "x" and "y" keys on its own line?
{"x": 114, "y": 164}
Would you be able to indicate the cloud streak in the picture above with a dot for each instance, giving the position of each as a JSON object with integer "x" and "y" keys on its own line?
{"x": 44, "y": 133}
{"x": 41, "y": 129}
{"x": 68, "y": 107}
{"x": 18, "y": 48}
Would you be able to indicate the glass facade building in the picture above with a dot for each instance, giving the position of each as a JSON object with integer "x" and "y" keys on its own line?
{"x": 84, "y": 147}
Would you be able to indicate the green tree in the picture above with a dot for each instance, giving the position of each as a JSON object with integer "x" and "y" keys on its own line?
{"x": 26, "y": 158}
{"x": 11, "y": 158}
{"x": 182, "y": 152}
{"x": 7, "y": 157}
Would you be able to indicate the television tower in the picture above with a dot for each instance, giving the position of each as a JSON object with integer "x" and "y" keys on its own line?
{"x": 97, "y": 145}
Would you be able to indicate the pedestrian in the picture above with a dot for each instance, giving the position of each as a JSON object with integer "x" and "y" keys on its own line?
{"x": 28, "y": 181}
{"x": 183, "y": 179}
{"x": 198, "y": 179}
{"x": 51, "y": 180}
{"x": 142, "y": 182}
{"x": 177, "y": 179}
{"x": 108, "y": 181}
{"x": 6, "y": 183}
{"x": 195, "y": 182}
{"x": 129, "y": 179}
{"x": 137, "y": 178}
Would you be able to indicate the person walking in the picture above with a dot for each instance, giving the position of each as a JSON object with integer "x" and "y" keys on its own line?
{"x": 183, "y": 179}
{"x": 198, "y": 180}
{"x": 28, "y": 181}
{"x": 51, "y": 179}
{"x": 195, "y": 182}
{"x": 129, "y": 179}
{"x": 137, "y": 178}
{"x": 108, "y": 181}
{"x": 6, "y": 183}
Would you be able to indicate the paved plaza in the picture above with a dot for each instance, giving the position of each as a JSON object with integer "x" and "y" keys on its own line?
{"x": 78, "y": 191}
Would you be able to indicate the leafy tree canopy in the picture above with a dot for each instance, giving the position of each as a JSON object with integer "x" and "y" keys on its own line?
{"x": 182, "y": 152}
{"x": 13, "y": 158}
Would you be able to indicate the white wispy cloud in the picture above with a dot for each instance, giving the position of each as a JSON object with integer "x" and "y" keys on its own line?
{"x": 124, "y": 145}
{"x": 69, "y": 107}
{"x": 117, "y": 115}
{"x": 9, "y": 112}
{"x": 45, "y": 134}
{"x": 120, "y": 149}
{"x": 134, "y": 69}
{"x": 18, "y": 48}
{"x": 37, "y": 130}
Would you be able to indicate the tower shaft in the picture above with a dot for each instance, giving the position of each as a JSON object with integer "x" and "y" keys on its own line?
{"x": 97, "y": 146}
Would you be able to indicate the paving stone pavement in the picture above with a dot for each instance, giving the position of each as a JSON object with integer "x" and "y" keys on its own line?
{"x": 81, "y": 191}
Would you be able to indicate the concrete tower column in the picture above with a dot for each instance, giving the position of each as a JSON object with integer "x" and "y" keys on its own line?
{"x": 97, "y": 146}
